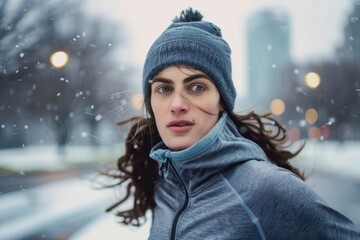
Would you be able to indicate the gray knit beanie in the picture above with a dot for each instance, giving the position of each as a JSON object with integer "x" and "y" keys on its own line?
{"x": 192, "y": 42}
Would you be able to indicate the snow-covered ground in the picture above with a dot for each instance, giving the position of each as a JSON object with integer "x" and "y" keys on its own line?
{"x": 332, "y": 157}
{"x": 337, "y": 159}
{"x": 48, "y": 157}
{"x": 106, "y": 228}
{"x": 24, "y": 213}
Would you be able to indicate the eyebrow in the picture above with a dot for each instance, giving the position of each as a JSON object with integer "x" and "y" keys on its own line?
{"x": 186, "y": 80}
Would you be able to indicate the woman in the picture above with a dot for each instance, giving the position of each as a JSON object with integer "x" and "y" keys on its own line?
{"x": 204, "y": 171}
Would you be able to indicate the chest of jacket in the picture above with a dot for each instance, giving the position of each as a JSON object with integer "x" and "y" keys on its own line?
{"x": 205, "y": 209}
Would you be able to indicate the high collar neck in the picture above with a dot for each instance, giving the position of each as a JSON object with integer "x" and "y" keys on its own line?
{"x": 222, "y": 146}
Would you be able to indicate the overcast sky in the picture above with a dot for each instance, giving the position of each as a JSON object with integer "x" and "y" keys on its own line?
{"x": 316, "y": 25}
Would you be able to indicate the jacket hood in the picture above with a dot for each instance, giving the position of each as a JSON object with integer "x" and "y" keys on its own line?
{"x": 220, "y": 148}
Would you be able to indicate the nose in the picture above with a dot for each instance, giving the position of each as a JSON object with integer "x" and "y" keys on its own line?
{"x": 179, "y": 104}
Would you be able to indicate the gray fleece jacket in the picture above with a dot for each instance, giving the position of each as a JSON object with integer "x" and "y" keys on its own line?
{"x": 223, "y": 187}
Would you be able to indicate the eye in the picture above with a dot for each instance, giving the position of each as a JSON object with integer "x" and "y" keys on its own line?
{"x": 163, "y": 89}
{"x": 197, "y": 88}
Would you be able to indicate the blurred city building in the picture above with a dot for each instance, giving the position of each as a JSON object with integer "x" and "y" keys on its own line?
{"x": 350, "y": 50}
{"x": 268, "y": 55}
{"x": 317, "y": 99}
{"x": 336, "y": 99}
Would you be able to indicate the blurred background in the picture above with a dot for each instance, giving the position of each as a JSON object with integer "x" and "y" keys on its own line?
{"x": 70, "y": 69}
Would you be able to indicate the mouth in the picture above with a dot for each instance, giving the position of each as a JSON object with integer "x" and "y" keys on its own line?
{"x": 180, "y": 125}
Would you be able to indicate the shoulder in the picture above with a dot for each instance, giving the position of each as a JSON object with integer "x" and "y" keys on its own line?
{"x": 263, "y": 176}
{"x": 284, "y": 203}
{"x": 273, "y": 192}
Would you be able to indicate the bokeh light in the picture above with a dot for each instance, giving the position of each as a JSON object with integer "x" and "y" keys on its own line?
{"x": 138, "y": 101}
{"x": 59, "y": 59}
{"x": 314, "y": 133}
{"x": 311, "y": 116}
{"x": 294, "y": 134}
{"x": 277, "y": 106}
{"x": 325, "y": 131}
{"x": 312, "y": 80}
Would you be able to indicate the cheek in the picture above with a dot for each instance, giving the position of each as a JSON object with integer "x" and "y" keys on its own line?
{"x": 157, "y": 109}
{"x": 211, "y": 105}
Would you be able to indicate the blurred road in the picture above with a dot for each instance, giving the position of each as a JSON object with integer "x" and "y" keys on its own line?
{"x": 12, "y": 182}
{"x": 51, "y": 206}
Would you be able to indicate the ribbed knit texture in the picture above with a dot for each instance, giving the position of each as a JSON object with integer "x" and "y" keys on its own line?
{"x": 196, "y": 44}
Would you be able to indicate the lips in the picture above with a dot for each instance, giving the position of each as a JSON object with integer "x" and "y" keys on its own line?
{"x": 180, "y": 125}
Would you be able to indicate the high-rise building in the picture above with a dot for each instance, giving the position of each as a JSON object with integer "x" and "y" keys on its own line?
{"x": 268, "y": 55}
{"x": 350, "y": 51}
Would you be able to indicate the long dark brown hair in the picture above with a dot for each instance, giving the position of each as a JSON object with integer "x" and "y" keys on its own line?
{"x": 138, "y": 174}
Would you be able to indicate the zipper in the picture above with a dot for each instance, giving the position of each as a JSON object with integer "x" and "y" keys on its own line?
{"x": 183, "y": 207}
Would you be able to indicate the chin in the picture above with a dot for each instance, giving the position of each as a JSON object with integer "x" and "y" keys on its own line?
{"x": 178, "y": 145}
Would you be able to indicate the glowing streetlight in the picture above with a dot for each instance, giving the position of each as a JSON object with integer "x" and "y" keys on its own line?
{"x": 277, "y": 106}
{"x": 59, "y": 59}
{"x": 312, "y": 80}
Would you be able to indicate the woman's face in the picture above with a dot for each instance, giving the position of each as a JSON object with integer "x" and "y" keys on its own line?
{"x": 186, "y": 105}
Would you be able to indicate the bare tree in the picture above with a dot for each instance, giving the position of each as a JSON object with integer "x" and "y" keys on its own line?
{"x": 32, "y": 90}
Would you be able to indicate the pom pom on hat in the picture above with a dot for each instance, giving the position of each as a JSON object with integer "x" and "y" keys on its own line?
{"x": 196, "y": 43}
{"x": 188, "y": 15}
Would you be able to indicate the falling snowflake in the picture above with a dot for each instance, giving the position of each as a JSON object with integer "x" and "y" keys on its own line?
{"x": 302, "y": 123}
{"x": 98, "y": 117}
{"x": 331, "y": 121}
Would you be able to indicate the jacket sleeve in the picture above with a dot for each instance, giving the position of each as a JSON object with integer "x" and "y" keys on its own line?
{"x": 297, "y": 212}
